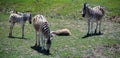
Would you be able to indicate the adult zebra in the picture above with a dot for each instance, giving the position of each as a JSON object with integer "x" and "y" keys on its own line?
{"x": 20, "y": 18}
{"x": 42, "y": 31}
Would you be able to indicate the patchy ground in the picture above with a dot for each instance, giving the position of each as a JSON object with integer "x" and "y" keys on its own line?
{"x": 115, "y": 19}
{"x": 103, "y": 51}
{"x": 98, "y": 46}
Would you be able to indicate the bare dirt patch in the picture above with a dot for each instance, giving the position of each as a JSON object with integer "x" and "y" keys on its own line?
{"x": 115, "y": 19}
{"x": 103, "y": 52}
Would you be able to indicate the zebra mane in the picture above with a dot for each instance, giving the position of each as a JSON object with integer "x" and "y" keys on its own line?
{"x": 43, "y": 18}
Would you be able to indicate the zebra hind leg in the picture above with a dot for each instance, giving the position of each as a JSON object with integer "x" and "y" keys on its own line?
{"x": 100, "y": 28}
{"x": 23, "y": 32}
{"x": 96, "y": 28}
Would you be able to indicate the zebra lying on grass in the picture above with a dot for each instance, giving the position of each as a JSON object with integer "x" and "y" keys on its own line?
{"x": 94, "y": 14}
{"x": 42, "y": 31}
{"x": 20, "y": 18}
{"x": 61, "y": 32}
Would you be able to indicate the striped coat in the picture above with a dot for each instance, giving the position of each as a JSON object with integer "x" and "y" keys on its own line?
{"x": 42, "y": 31}
{"x": 20, "y": 18}
{"x": 94, "y": 14}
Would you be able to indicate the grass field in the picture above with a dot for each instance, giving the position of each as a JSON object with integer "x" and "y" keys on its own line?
{"x": 60, "y": 14}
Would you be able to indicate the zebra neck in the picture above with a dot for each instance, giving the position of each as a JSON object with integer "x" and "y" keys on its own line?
{"x": 89, "y": 11}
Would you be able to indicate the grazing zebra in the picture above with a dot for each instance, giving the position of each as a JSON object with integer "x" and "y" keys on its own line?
{"x": 94, "y": 14}
{"x": 42, "y": 31}
{"x": 20, "y": 18}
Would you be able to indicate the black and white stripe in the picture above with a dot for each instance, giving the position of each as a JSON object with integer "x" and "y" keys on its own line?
{"x": 42, "y": 31}
{"x": 45, "y": 29}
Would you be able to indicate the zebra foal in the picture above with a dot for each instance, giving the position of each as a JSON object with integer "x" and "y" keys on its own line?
{"x": 20, "y": 18}
{"x": 94, "y": 14}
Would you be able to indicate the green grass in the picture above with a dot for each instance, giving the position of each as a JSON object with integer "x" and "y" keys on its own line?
{"x": 70, "y": 46}
{"x": 56, "y": 8}
{"x": 58, "y": 12}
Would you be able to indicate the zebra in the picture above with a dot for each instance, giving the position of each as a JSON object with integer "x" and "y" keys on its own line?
{"x": 94, "y": 14}
{"x": 20, "y": 18}
{"x": 42, "y": 30}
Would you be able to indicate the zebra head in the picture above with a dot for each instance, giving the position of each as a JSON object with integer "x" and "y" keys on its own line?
{"x": 84, "y": 9}
{"x": 28, "y": 17}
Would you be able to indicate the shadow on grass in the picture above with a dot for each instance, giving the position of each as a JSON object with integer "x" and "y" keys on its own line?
{"x": 38, "y": 49}
{"x": 16, "y": 37}
{"x": 90, "y": 35}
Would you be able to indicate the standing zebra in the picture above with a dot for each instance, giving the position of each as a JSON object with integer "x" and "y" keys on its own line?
{"x": 94, "y": 14}
{"x": 42, "y": 30}
{"x": 20, "y": 18}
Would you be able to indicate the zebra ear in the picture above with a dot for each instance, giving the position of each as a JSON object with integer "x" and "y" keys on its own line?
{"x": 87, "y": 5}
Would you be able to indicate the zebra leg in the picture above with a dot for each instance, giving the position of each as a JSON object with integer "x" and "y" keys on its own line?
{"x": 48, "y": 45}
{"x": 11, "y": 28}
{"x": 96, "y": 28}
{"x": 100, "y": 28}
{"x": 91, "y": 28}
{"x": 88, "y": 33}
{"x": 23, "y": 31}
{"x": 43, "y": 42}
{"x": 36, "y": 38}
{"x": 39, "y": 35}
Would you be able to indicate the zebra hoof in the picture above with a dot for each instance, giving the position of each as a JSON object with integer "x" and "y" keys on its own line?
{"x": 10, "y": 36}
{"x": 35, "y": 45}
{"x": 95, "y": 32}
{"x": 43, "y": 49}
{"x": 47, "y": 51}
{"x": 88, "y": 34}
{"x": 100, "y": 33}
{"x": 22, "y": 37}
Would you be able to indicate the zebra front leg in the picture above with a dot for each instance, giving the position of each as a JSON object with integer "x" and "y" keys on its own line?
{"x": 23, "y": 31}
{"x": 43, "y": 42}
{"x": 88, "y": 33}
{"x": 11, "y": 28}
{"x": 48, "y": 45}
